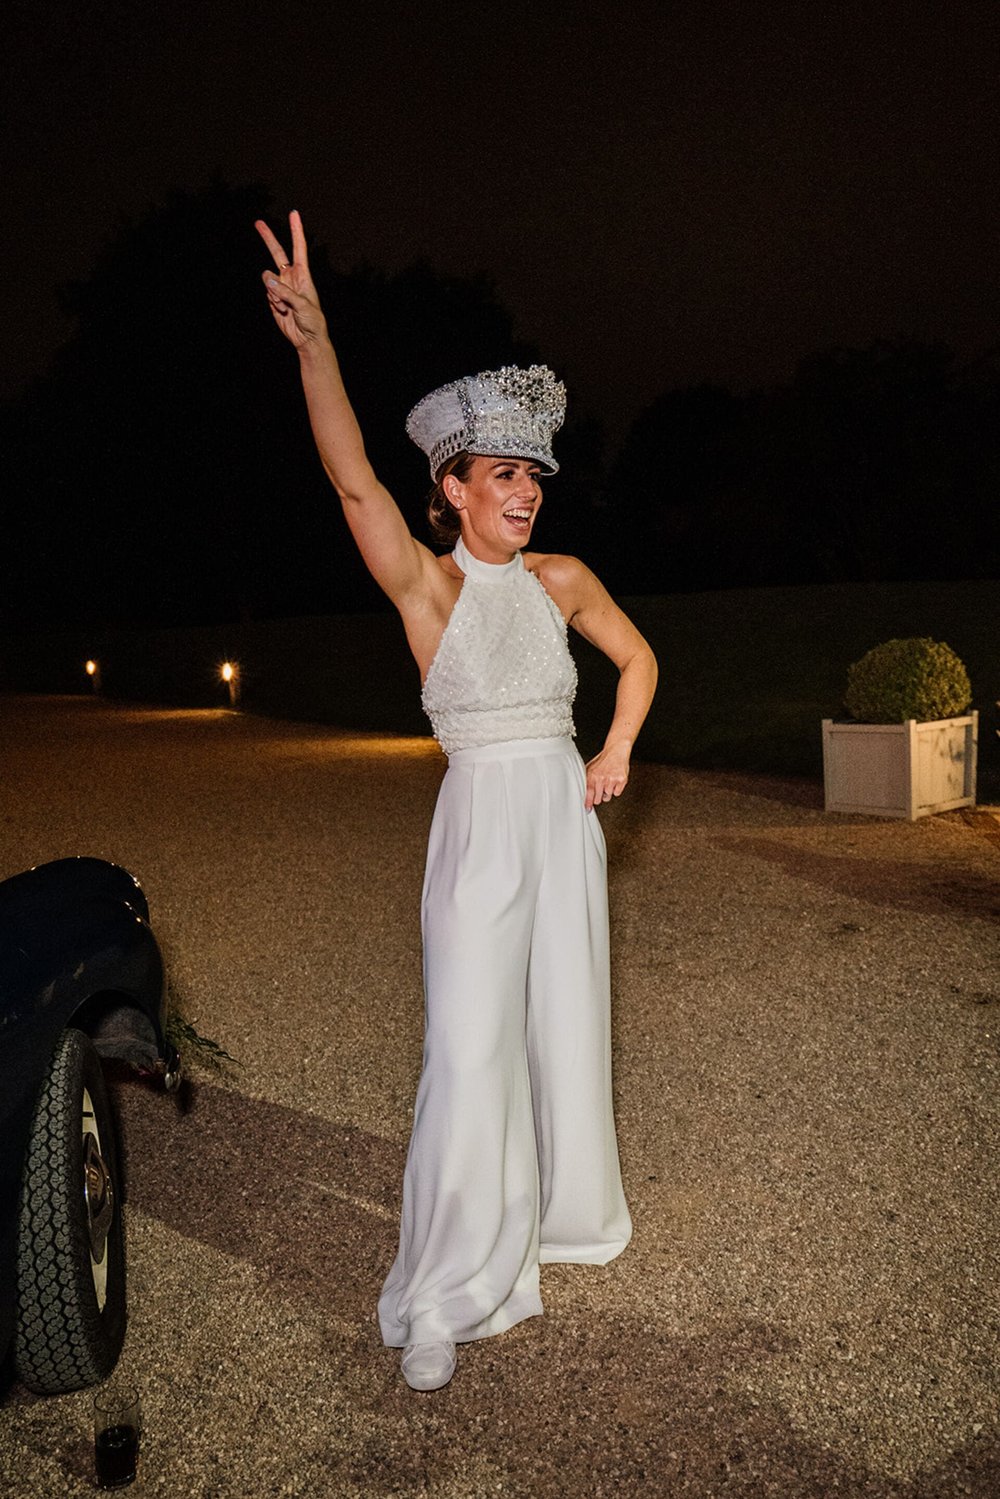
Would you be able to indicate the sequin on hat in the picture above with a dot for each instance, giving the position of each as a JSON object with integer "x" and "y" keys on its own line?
{"x": 510, "y": 412}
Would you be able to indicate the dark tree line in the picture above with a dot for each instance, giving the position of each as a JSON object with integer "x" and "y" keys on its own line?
{"x": 870, "y": 464}
{"x": 162, "y": 470}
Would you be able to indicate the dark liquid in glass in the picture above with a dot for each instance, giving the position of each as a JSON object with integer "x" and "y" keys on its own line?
{"x": 116, "y": 1449}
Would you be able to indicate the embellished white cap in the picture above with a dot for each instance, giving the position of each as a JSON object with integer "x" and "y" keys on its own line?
{"x": 509, "y": 412}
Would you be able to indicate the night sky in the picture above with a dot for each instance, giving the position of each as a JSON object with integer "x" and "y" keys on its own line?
{"x": 663, "y": 194}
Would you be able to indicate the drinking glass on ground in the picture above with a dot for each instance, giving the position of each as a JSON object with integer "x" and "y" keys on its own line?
{"x": 116, "y": 1435}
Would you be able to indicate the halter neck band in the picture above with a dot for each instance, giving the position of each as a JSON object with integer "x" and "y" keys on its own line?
{"x": 485, "y": 572}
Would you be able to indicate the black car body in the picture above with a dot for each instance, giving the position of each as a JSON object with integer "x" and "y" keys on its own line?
{"x": 80, "y": 973}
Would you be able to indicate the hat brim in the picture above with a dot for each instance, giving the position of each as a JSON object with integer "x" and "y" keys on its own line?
{"x": 548, "y": 465}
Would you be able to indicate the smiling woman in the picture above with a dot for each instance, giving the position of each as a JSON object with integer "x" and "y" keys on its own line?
{"x": 513, "y": 1159}
{"x": 495, "y": 426}
{"x": 443, "y": 512}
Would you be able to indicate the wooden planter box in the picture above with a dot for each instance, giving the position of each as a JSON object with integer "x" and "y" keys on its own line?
{"x": 900, "y": 769}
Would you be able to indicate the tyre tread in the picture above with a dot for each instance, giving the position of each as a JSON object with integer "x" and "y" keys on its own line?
{"x": 63, "y": 1341}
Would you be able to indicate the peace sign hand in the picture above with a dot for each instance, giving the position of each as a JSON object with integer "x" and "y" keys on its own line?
{"x": 290, "y": 288}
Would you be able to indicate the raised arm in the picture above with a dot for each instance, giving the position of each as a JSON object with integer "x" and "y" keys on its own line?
{"x": 398, "y": 563}
{"x": 591, "y": 611}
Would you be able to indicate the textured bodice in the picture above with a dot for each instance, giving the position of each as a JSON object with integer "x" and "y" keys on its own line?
{"x": 503, "y": 669}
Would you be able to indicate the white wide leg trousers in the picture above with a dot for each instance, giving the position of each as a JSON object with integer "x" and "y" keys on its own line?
{"x": 513, "y": 1158}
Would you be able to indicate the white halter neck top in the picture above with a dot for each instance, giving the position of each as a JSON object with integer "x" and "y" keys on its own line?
{"x": 503, "y": 669}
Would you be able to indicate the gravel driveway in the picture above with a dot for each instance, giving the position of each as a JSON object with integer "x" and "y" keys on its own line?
{"x": 807, "y": 1049}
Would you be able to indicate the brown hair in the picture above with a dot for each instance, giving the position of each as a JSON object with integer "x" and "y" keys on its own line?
{"x": 441, "y": 513}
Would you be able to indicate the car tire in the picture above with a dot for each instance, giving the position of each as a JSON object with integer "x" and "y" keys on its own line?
{"x": 71, "y": 1252}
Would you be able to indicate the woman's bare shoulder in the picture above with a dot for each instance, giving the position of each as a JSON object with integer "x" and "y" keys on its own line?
{"x": 434, "y": 593}
{"x": 557, "y": 570}
{"x": 565, "y": 579}
{"x": 449, "y": 567}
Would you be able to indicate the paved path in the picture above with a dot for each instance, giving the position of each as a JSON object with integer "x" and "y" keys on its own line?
{"x": 806, "y": 1036}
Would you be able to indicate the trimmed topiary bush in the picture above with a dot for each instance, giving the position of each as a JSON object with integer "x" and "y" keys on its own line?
{"x": 915, "y": 678}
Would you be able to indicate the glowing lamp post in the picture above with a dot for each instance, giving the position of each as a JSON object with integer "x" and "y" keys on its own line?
{"x": 230, "y": 674}
{"x": 93, "y": 670}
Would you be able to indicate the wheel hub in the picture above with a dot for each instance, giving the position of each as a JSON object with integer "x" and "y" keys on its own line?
{"x": 99, "y": 1196}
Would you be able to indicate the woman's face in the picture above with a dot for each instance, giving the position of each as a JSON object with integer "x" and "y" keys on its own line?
{"x": 497, "y": 505}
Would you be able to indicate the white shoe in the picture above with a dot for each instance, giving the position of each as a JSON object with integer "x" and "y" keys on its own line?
{"x": 428, "y": 1366}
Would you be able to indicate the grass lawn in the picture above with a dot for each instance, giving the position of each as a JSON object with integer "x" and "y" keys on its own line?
{"x": 747, "y": 676}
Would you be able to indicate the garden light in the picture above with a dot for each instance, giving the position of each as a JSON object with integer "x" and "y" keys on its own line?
{"x": 93, "y": 670}
{"x": 230, "y": 674}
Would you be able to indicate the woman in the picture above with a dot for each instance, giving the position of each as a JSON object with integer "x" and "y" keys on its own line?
{"x": 513, "y": 1159}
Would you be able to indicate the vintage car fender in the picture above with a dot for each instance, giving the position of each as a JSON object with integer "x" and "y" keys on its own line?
{"x": 76, "y": 950}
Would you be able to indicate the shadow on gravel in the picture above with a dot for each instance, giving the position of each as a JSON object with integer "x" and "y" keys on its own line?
{"x": 312, "y": 1204}
{"x": 595, "y": 1405}
{"x": 800, "y": 791}
{"x": 933, "y": 889}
